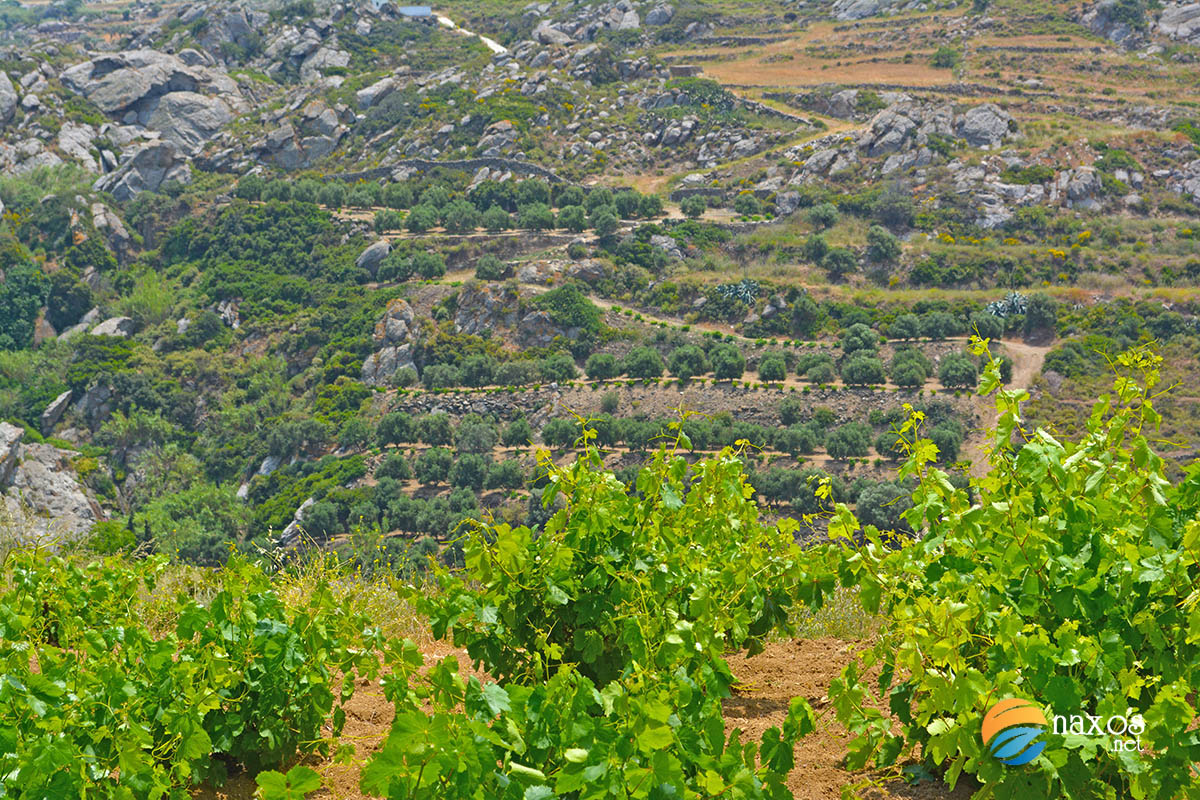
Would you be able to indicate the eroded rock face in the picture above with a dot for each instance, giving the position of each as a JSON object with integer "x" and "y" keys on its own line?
{"x": 984, "y": 125}
{"x": 54, "y": 411}
{"x": 394, "y": 334}
{"x": 8, "y": 99}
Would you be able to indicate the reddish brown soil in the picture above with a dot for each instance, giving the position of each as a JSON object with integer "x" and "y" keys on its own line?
{"x": 768, "y": 682}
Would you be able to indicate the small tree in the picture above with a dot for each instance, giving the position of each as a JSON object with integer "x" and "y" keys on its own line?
{"x": 852, "y": 440}
{"x": 862, "y": 370}
{"x": 728, "y": 363}
{"x": 882, "y": 246}
{"x": 517, "y": 433}
{"x": 604, "y": 221}
{"x": 421, "y": 218}
{"x": 839, "y": 262}
{"x": 650, "y": 206}
{"x": 496, "y": 219}
{"x": 489, "y": 268}
{"x": 905, "y": 326}
{"x": 627, "y": 202}
{"x": 429, "y": 265}
{"x": 823, "y": 215}
{"x": 688, "y": 361}
{"x": 747, "y": 204}
{"x": 537, "y": 217}
{"x": 859, "y": 337}
{"x": 693, "y": 207}
{"x": 433, "y": 466}
{"x": 643, "y": 362}
{"x": 460, "y": 217}
{"x": 573, "y": 218}
{"x": 958, "y": 370}
{"x": 601, "y": 366}
{"x": 772, "y": 367}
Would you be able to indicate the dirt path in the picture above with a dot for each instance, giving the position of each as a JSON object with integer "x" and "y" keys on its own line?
{"x": 1027, "y": 364}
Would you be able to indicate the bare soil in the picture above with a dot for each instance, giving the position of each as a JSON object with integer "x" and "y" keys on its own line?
{"x": 768, "y": 682}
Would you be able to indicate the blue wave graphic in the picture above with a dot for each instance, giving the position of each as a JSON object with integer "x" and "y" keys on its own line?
{"x": 1017, "y": 746}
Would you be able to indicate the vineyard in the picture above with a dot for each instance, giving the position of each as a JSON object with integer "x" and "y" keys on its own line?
{"x": 1068, "y": 576}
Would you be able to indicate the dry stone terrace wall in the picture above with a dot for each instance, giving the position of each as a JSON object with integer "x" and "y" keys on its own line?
{"x": 467, "y": 165}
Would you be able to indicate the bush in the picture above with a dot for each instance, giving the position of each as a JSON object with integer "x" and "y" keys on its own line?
{"x": 490, "y": 268}
{"x": 496, "y": 219}
{"x": 435, "y": 429}
{"x": 601, "y": 366}
{"x": 688, "y": 361}
{"x": 516, "y": 373}
{"x": 428, "y": 265}
{"x": 626, "y": 203}
{"x": 945, "y": 57}
{"x": 693, "y": 207}
{"x": 728, "y": 363}
{"x": 988, "y": 326}
{"x": 747, "y": 204}
{"x": 1041, "y": 317}
{"x": 823, "y": 215}
{"x": 433, "y": 466}
{"x": 505, "y": 475}
{"x": 839, "y": 262}
{"x": 277, "y": 190}
{"x": 394, "y": 466}
{"x": 395, "y": 267}
{"x": 882, "y": 246}
{"x": 861, "y": 370}
{"x": 958, "y": 371}
{"x": 791, "y": 410}
{"x": 536, "y": 217}
{"x": 816, "y": 247}
{"x": 249, "y": 187}
{"x": 642, "y": 362}
{"x": 772, "y": 367}
{"x": 559, "y": 368}
{"x": 851, "y": 440}
{"x": 600, "y": 197}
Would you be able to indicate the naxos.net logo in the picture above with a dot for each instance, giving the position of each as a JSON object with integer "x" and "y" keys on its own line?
{"x": 1011, "y": 729}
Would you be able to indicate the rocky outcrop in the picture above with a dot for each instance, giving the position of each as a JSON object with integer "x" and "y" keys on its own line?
{"x": 305, "y": 139}
{"x": 394, "y": 335}
{"x": 1105, "y": 19}
{"x": 1180, "y": 21}
{"x": 485, "y": 307}
{"x": 537, "y": 329}
{"x": 45, "y": 482}
{"x": 985, "y": 125}
{"x": 146, "y": 171}
{"x": 186, "y": 104}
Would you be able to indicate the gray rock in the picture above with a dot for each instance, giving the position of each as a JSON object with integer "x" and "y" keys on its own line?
{"x": 1084, "y": 189}
{"x": 76, "y": 141}
{"x": 373, "y": 256}
{"x": 859, "y": 9}
{"x": 8, "y": 99}
{"x": 10, "y": 447}
{"x": 985, "y": 125}
{"x": 146, "y": 171}
{"x": 660, "y": 14}
{"x": 1180, "y": 21}
{"x": 485, "y": 307}
{"x": 187, "y": 119}
{"x": 374, "y": 93}
{"x": 787, "y": 203}
{"x": 548, "y": 34}
{"x": 537, "y": 329}
{"x": 54, "y": 412}
{"x": 115, "y": 326}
